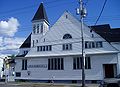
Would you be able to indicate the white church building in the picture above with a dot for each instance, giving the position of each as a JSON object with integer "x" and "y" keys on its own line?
{"x": 54, "y": 53}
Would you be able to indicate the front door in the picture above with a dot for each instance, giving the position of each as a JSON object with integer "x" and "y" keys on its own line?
{"x": 109, "y": 70}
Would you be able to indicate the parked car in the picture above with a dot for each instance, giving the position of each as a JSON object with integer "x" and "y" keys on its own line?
{"x": 111, "y": 82}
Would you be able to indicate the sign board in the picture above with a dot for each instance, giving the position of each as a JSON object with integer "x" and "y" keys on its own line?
{"x": 38, "y": 66}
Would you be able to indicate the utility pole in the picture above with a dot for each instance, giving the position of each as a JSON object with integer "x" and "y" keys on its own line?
{"x": 82, "y": 12}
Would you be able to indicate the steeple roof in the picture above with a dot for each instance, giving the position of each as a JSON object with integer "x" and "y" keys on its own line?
{"x": 40, "y": 14}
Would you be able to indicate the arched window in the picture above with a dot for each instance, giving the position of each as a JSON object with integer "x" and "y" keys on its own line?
{"x": 67, "y": 36}
{"x": 67, "y": 46}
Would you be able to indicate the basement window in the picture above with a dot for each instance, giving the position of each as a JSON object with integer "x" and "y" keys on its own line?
{"x": 18, "y": 74}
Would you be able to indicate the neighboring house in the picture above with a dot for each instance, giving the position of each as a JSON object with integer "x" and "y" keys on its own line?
{"x": 112, "y": 35}
{"x": 1, "y": 67}
{"x": 8, "y": 70}
{"x": 55, "y": 52}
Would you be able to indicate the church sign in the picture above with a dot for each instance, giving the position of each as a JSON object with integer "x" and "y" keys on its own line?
{"x": 38, "y": 66}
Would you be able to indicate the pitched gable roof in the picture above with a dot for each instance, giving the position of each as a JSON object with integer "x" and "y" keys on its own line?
{"x": 40, "y": 14}
{"x": 68, "y": 24}
{"x": 111, "y": 35}
{"x": 26, "y": 43}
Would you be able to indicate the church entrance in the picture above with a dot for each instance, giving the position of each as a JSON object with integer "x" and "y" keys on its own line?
{"x": 110, "y": 70}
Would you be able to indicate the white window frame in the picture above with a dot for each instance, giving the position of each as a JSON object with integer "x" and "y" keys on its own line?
{"x": 93, "y": 44}
{"x": 55, "y": 63}
{"x": 77, "y": 63}
{"x": 24, "y": 64}
{"x": 44, "y": 48}
{"x": 34, "y": 29}
{"x": 67, "y": 46}
{"x": 37, "y": 28}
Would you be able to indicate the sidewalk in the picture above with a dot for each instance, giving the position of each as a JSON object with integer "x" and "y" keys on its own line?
{"x": 27, "y": 84}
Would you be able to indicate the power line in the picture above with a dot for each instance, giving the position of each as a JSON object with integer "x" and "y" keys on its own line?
{"x": 88, "y": 19}
{"x": 17, "y": 10}
{"x": 106, "y": 16}
{"x": 85, "y": 3}
{"x": 29, "y": 27}
{"x": 75, "y": 46}
{"x": 53, "y": 1}
{"x": 64, "y": 43}
{"x": 101, "y": 12}
{"x": 32, "y": 6}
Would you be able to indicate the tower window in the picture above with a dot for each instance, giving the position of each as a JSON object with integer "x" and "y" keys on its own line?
{"x": 92, "y": 35}
{"x": 41, "y": 28}
{"x": 66, "y": 16}
{"x": 36, "y": 41}
{"x": 37, "y": 28}
{"x": 44, "y": 39}
{"x": 33, "y": 43}
{"x": 34, "y": 29}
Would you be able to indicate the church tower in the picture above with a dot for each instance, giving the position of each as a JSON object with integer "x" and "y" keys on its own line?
{"x": 40, "y": 25}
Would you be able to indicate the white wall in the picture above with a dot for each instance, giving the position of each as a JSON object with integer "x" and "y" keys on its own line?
{"x": 54, "y": 37}
{"x": 38, "y": 36}
{"x": 71, "y": 26}
{"x": 117, "y": 46}
{"x": 95, "y": 73}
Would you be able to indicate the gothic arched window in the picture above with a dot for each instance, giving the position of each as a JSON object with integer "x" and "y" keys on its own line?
{"x": 67, "y": 36}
